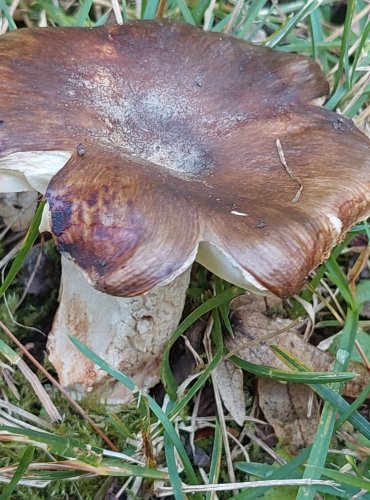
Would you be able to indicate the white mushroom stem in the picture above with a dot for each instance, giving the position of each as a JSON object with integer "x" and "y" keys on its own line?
{"x": 128, "y": 333}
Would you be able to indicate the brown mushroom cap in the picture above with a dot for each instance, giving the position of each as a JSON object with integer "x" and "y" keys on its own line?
{"x": 190, "y": 140}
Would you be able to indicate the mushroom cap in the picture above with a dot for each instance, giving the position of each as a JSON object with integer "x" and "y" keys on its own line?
{"x": 183, "y": 144}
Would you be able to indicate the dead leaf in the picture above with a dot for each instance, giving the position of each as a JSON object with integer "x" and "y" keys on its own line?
{"x": 229, "y": 379}
{"x": 251, "y": 323}
{"x": 285, "y": 407}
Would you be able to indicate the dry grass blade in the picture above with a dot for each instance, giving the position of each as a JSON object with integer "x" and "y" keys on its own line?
{"x": 165, "y": 491}
{"x": 32, "y": 483}
{"x": 25, "y": 415}
{"x": 117, "y": 11}
{"x": 237, "y": 9}
{"x": 289, "y": 171}
{"x": 339, "y": 31}
{"x": 11, "y": 254}
{"x": 36, "y": 385}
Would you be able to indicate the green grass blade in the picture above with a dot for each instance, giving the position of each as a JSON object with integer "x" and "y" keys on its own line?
{"x": 175, "y": 479}
{"x": 341, "y": 406}
{"x": 351, "y": 410}
{"x": 319, "y": 450}
{"x": 103, "y": 19}
{"x": 203, "y": 377}
{"x": 361, "y": 484}
{"x": 287, "y": 27}
{"x": 224, "y": 307}
{"x": 167, "y": 377}
{"x": 21, "y": 469}
{"x": 328, "y": 394}
{"x": 172, "y": 469}
{"x": 283, "y": 472}
{"x": 83, "y": 14}
{"x": 314, "y": 25}
{"x": 305, "y": 377}
{"x": 264, "y": 471}
{"x": 120, "y": 426}
{"x": 185, "y": 11}
{"x": 317, "y": 39}
{"x": 343, "y": 58}
{"x": 150, "y": 9}
{"x": 201, "y": 380}
{"x": 199, "y": 9}
{"x": 156, "y": 409}
{"x": 215, "y": 467}
{"x": 124, "y": 10}
{"x": 8, "y": 353}
{"x": 29, "y": 240}
{"x": 289, "y": 470}
{"x": 55, "y": 12}
{"x": 336, "y": 275}
{"x": 365, "y": 38}
{"x": 55, "y": 475}
{"x": 8, "y": 17}
{"x": 252, "y": 16}
{"x": 335, "y": 98}
{"x": 325, "y": 429}
{"x": 221, "y": 25}
{"x": 58, "y": 445}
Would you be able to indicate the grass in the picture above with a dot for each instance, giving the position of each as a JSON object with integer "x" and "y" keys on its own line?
{"x": 68, "y": 459}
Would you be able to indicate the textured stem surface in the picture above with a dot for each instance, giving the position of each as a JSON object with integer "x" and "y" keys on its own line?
{"x": 129, "y": 333}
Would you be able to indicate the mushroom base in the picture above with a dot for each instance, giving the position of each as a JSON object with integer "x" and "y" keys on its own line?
{"x": 128, "y": 333}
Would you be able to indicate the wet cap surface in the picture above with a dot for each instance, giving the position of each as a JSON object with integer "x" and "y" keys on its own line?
{"x": 183, "y": 139}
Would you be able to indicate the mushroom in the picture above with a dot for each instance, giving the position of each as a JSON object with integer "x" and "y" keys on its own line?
{"x": 157, "y": 144}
